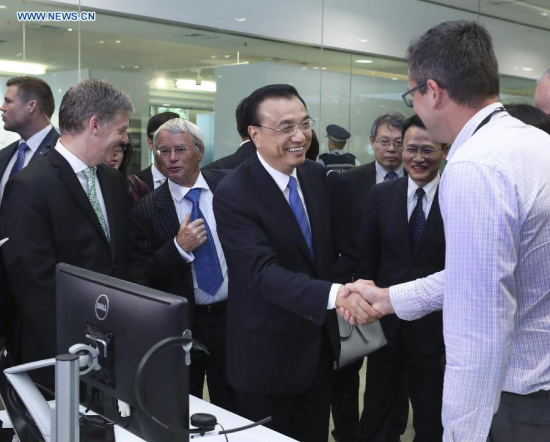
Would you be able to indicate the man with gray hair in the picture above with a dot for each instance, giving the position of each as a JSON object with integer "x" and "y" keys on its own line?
{"x": 176, "y": 233}
{"x": 69, "y": 208}
{"x": 542, "y": 93}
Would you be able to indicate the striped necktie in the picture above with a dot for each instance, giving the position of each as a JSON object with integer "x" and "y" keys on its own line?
{"x": 20, "y": 161}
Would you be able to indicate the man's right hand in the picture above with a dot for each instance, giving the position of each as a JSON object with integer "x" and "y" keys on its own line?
{"x": 357, "y": 307}
{"x": 191, "y": 235}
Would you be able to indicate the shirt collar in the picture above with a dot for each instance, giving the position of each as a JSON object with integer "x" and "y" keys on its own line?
{"x": 429, "y": 188}
{"x": 35, "y": 141}
{"x": 76, "y": 163}
{"x": 157, "y": 175}
{"x": 470, "y": 127}
{"x": 178, "y": 192}
{"x": 382, "y": 172}
{"x": 281, "y": 179}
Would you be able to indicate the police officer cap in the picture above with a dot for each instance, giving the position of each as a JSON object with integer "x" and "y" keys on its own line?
{"x": 337, "y": 133}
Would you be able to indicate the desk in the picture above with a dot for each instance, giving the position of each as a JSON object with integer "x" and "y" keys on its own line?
{"x": 226, "y": 418}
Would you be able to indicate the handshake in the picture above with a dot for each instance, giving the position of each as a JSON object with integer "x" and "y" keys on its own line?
{"x": 361, "y": 302}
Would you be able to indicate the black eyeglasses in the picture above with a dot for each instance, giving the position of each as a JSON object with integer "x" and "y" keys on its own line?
{"x": 408, "y": 96}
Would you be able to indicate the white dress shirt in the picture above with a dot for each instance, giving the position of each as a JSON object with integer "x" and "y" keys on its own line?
{"x": 158, "y": 177}
{"x": 381, "y": 172}
{"x": 183, "y": 207}
{"x": 78, "y": 167}
{"x": 495, "y": 289}
{"x": 430, "y": 189}
{"x": 281, "y": 180}
{"x": 33, "y": 143}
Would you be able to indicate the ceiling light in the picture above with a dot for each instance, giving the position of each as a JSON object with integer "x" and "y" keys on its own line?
{"x": 3, "y": 6}
{"x": 192, "y": 85}
{"x": 362, "y": 40}
{"x": 101, "y": 42}
{"x": 544, "y": 14}
{"x": 136, "y": 67}
{"x": 240, "y": 19}
{"x": 527, "y": 69}
{"x": 160, "y": 82}
{"x": 166, "y": 104}
{"x": 118, "y": 41}
{"x": 122, "y": 67}
{"x": 70, "y": 29}
{"x": 363, "y": 61}
{"x": 226, "y": 56}
{"x": 19, "y": 67}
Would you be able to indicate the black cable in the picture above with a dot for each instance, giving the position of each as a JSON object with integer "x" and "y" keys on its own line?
{"x": 15, "y": 403}
{"x": 224, "y": 434}
{"x": 265, "y": 420}
{"x": 152, "y": 352}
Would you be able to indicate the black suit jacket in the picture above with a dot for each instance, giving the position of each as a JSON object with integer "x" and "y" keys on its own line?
{"x": 49, "y": 219}
{"x": 245, "y": 151}
{"x": 278, "y": 292}
{"x": 48, "y": 142}
{"x": 156, "y": 224}
{"x": 386, "y": 256}
{"x": 146, "y": 175}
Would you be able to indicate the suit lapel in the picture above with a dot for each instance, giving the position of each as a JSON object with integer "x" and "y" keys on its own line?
{"x": 276, "y": 202}
{"x": 8, "y": 152}
{"x": 69, "y": 178}
{"x": 48, "y": 142}
{"x": 400, "y": 220}
{"x": 167, "y": 211}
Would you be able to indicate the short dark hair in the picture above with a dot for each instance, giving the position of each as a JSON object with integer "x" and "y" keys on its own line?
{"x": 158, "y": 120}
{"x": 242, "y": 126}
{"x": 256, "y": 98}
{"x": 313, "y": 150}
{"x": 459, "y": 57}
{"x": 529, "y": 115}
{"x": 126, "y": 157}
{"x": 90, "y": 98}
{"x": 394, "y": 119}
{"x": 34, "y": 88}
{"x": 413, "y": 121}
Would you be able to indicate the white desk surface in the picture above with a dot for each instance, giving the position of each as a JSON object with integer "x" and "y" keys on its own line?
{"x": 226, "y": 418}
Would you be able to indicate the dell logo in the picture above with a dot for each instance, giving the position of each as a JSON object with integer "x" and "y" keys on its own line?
{"x": 102, "y": 307}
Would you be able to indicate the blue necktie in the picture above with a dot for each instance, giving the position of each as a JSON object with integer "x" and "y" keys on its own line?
{"x": 20, "y": 161}
{"x": 417, "y": 221}
{"x": 207, "y": 265}
{"x": 390, "y": 176}
{"x": 299, "y": 211}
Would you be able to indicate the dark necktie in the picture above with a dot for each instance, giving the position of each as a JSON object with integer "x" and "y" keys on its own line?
{"x": 20, "y": 161}
{"x": 299, "y": 211}
{"x": 390, "y": 176}
{"x": 89, "y": 172}
{"x": 417, "y": 221}
{"x": 207, "y": 265}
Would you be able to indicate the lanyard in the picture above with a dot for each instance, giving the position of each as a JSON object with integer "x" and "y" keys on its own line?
{"x": 488, "y": 117}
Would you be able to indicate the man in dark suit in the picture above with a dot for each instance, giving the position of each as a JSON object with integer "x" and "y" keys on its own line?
{"x": 274, "y": 223}
{"x": 69, "y": 208}
{"x": 155, "y": 175}
{"x": 27, "y": 109}
{"x": 402, "y": 239}
{"x": 175, "y": 247}
{"x": 245, "y": 150}
{"x": 386, "y": 140}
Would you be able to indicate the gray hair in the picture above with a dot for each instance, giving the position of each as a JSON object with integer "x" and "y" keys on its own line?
{"x": 181, "y": 126}
{"x": 543, "y": 76}
{"x": 394, "y": 119}
{"x": 90, "y": 98}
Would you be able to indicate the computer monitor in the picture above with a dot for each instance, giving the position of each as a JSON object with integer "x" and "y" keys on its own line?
{"x": 131, "y": 319}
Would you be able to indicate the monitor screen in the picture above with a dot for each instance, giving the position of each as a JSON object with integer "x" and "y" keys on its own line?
{"x": 130, "y": 319}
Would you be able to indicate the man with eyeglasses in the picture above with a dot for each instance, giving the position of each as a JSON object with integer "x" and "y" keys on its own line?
{"x": 386, "y": 141}
{"x": 402, "y": 239}
{"x": 177, "y": 235}
{"x": 155, "y": 175}
{"x": 495, "y": 203}
{"x": 274, "y": 221}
